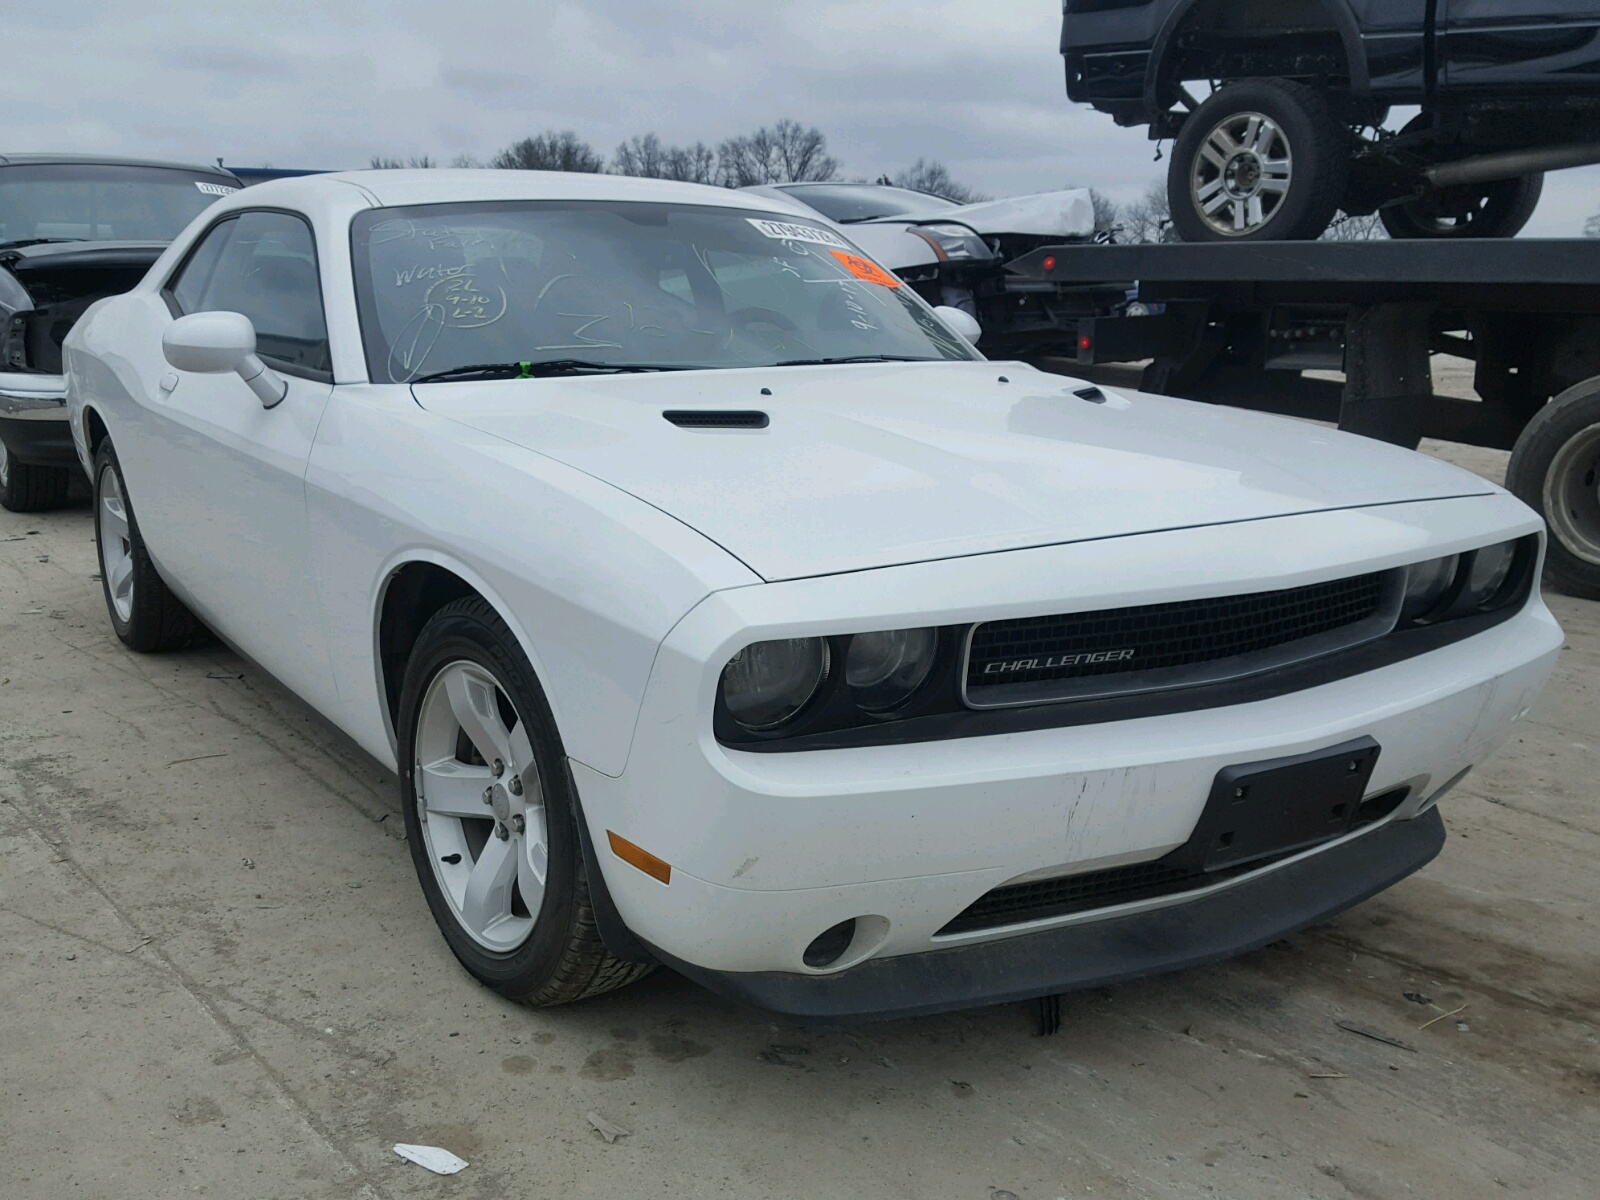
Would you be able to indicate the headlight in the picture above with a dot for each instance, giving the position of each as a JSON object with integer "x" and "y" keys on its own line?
{"x": 884, "y": 670}
{"x": 953, "y": 243}
{"x": 768, "y": 684}
{"x": 1426, "y": 585}
{"x": 1490, "y": 569}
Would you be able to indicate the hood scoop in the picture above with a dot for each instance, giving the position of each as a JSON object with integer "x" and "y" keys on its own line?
{"x": 717, "y": 418}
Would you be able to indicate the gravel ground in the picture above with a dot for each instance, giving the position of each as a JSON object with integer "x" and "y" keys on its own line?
{"x": 221, "y": 980}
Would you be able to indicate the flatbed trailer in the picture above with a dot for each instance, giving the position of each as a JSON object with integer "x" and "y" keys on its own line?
{"x": 1253, "y": 325}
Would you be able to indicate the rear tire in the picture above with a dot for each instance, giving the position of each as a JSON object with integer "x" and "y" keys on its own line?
{"x": 26, "y": 488}
{"x": 145, "y": 614}
{"x": 1555, "y": 469}
{"x": 1260, "y": 160}
{"x": 504, "y": 875}
{"x": 1501, "y": 209}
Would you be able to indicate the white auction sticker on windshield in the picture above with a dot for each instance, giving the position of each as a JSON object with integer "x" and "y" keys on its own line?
{"x": 783, "y": 231}
{"x": 215, "y": 189}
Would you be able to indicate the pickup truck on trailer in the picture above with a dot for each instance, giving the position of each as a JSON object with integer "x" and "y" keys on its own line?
{"x": 1253, "y": 326}
{"x": 1301, "y": 90}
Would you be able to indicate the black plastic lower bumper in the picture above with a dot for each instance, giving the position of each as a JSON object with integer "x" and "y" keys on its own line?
{"x": 39, "y": 443}
{"x": 1247, "y": 916}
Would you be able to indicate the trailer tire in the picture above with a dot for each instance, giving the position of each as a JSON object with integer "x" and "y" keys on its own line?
{"x": 1266, "y": 157}
{"x": 1555, "y": 469}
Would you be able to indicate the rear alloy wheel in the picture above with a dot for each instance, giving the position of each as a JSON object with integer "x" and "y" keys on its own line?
{"x": 1262, "y": 160}
{"x": 145, "y": 614}
{"x": 1556, "y": 470}
{"x": 1487, "y": 210}
{"x": 26, "y": 488}
{"x": 490, "y": 816}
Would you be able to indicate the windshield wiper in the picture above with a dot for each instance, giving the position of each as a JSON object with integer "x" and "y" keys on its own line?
{"x": 855, "y": 358}
{"x": 541, "y": 370}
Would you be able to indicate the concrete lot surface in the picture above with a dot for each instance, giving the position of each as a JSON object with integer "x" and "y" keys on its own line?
{"x": 220, "y": 979}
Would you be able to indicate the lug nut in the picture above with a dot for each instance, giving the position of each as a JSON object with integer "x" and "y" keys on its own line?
{"x": 515, "y": 786}
{"x": 519, "y": 824}
{"x": 488, "y": 796}
{"x": 499, "y": 768}
{"x": 500, "y": 831}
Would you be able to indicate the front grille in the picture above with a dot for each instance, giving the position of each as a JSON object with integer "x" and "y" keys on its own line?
{"x": 1019, "y": 903}
{"x": 1171, "y": 640}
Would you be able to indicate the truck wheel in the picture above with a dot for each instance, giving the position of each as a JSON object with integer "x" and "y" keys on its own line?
{"x": 490, "y": 817}
{"x": 27, "y": 488}
{"x": 1261, "y": 160}
{"x": 1487, "y": 210}
{"x": 1556, "y": 470}
{"x": 145, "y": 614}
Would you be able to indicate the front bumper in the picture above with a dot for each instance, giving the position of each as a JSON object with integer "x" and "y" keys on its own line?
{"x": 1216, "y": 926}
{"x": 34, "y": 424}
{"x": 769, "y": 850}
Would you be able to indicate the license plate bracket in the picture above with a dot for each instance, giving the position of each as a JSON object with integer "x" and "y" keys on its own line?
{"x": 1269, "y": 809}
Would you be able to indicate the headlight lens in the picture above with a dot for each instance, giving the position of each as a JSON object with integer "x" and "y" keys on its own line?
{"x": 1491, "y": 567}
{"x": 884, "y": 670}
{"x": 768, "y": 684}
{"x": 954, "y": 243}
{"x": 1426, "y": 585}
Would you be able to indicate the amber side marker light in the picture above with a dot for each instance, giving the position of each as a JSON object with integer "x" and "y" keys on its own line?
{"x": 637, "y": 857}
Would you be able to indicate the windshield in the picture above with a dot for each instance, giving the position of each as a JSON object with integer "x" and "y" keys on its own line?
{"x": 455, "y": 285}
{"x": 846, "y": 203}
{"x": 102, "y": 202}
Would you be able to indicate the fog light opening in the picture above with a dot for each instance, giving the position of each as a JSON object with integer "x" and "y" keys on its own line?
{"x": 829, "y": 946}
{"x": 846, "y": 944}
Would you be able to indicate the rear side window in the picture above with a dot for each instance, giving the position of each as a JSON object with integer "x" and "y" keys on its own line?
{"x": 264, "y": 265}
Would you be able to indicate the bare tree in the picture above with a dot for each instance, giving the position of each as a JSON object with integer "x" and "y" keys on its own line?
{"x": 785, "y": 153}
{"x": 465, "y": 160}
{"x": 1107, "y": 212}
{"x": 384, "y": 162}
{"x": 563, "y": 151}
{"x": 647, "y": 158}
{"x": 1591, "y": 227}
{"x": 1346, "y": 228}
{"x": 1149, "y": 218}
{"x": 933, "y": 177}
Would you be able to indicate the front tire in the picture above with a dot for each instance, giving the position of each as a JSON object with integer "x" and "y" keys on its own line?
{"x": 1555, "y": 469}
{"x": 491, "y": 818}
{"x": 26, "y": 488}
{"x": 145, "y": 614}
{"x": 1260, "y": 160}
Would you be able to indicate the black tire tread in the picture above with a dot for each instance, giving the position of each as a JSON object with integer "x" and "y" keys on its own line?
{"x": 31, "y": 488}
{"x": 160, "y": 621}
{"x": 1326, "y": 162}
{"x": 1576, "y": 408}
{"x": 584, "y": 967}
{"x": 1398, "y": 223}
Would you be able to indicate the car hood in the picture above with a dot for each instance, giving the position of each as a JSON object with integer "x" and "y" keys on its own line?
{"x": 879, "y": 465}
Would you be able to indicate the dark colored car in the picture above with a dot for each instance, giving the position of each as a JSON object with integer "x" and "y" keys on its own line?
{"x": 73, "y": 229}
{"x": 1294, "y": 128}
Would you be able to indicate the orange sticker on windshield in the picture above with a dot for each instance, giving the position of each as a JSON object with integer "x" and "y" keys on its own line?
{"x": 866, "y": 269}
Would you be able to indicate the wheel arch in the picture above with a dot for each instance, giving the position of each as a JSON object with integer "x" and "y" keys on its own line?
{"x": 1189, "y": 15}
{"x": 413, "y": 589}
{"x": 94, "y": 430}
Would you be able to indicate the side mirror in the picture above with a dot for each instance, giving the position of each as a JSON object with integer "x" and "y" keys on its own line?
{"x": 214, "y": 343}
{"x": 962, "y": 322}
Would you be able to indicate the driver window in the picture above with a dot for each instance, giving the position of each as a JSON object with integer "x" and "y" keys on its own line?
{"x": 264, "y": 265}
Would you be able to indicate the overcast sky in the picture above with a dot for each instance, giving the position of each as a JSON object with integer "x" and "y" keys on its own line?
{"x": 978, "y": 85}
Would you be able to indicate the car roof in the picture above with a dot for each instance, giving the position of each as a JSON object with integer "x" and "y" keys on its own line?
{"x": 105, "y": 160}
{"x": 403, "y": 188}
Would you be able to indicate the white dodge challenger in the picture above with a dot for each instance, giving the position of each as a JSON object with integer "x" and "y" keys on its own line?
{"x": 719, "y": 607}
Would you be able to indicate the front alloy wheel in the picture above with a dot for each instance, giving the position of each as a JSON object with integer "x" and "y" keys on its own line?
{"x": 481, "y": 806}
{"x": 491, "y": 816}
{"x": 1260, "y": 160}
